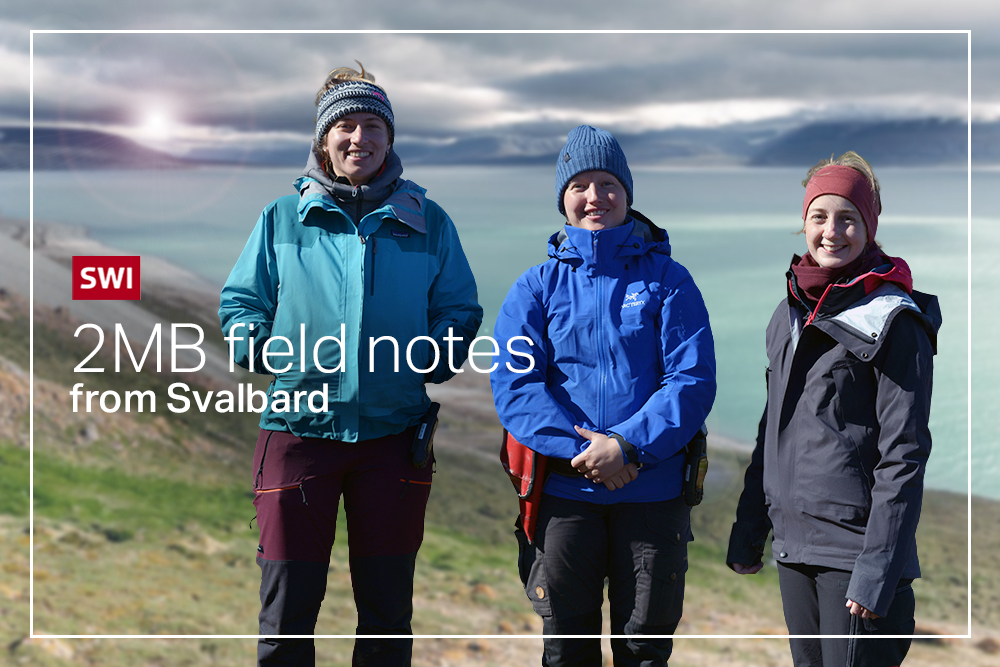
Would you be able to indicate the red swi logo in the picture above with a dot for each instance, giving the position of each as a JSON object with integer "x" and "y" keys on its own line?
{"x": 106, "y": 277}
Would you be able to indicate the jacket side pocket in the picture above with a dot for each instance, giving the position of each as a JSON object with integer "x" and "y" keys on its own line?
{"x": 535, "y": 582}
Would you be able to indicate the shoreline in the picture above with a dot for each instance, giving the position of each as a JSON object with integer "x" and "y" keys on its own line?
{"x": 183, "y": 291}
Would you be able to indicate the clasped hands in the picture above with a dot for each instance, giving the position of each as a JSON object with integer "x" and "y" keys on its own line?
{"x": 602, "y": 461}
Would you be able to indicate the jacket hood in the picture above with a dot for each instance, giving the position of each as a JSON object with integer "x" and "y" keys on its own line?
{"x": 863, "y": 325}
{"x": 840, "y": 296}
{"x": 637, "y": 236}
{"x": 315, "y": 180}
{"x": 868, "y": 321}
{"x": 865, "y": 307}
{"x": 405, "y": 199}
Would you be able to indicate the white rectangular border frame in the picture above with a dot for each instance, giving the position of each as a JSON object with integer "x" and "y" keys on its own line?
{"x": 31, "y": 302}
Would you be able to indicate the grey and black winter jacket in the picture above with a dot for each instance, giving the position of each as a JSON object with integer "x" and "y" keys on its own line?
{"x": 837, "y": 472}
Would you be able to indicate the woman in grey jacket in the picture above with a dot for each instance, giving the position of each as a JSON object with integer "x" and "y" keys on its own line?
{"x": 837, "y": 472}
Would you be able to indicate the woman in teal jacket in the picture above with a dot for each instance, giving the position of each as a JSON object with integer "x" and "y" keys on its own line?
{"x": 353, "y": 293}
{"x": 620, "y": 376}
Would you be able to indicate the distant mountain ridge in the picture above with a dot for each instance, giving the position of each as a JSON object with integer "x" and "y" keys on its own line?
{"x": 901, "y": 142}
{"x": 58, "y": 149}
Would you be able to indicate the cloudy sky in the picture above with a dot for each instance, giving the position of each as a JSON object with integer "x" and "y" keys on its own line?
{"x": 187, "y": 90}
{"x": 190, "y": 90}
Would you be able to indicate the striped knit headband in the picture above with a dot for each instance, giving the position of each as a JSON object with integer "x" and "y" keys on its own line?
{"x": 850, "y": 184}
{"x": 352, "y": 97}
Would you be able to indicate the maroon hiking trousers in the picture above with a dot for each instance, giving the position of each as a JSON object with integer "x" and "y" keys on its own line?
{"x": 298, "y": 483}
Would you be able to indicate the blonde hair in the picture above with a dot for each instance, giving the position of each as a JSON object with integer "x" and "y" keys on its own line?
{"x": 343, "y": 75}
{"x": 855, "y": 162}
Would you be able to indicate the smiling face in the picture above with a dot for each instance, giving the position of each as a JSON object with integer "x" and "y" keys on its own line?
{"x": 357, "y": 145}
{"x": 595, "y": 200}
{"x": 835, "y": 231}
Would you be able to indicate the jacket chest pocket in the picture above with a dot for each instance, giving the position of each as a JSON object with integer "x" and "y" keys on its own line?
{"x": 399, "y": 264}
{"x": 855, "y": 392}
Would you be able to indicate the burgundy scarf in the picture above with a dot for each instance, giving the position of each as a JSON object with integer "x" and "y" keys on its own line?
{"x": 813, "y": 279}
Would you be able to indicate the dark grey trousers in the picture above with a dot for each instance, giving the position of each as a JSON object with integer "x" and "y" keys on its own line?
{"x": 291, "y": 593}
{"x": 815, "y": 604}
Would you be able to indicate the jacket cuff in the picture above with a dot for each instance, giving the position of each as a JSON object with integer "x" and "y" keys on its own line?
{"x": 629, "y": 452}
{"x": 873, "y": 593}
{"x": 746, "y": 547}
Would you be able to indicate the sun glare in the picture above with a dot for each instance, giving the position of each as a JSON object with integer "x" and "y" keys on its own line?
{"x": 156, "y": 127}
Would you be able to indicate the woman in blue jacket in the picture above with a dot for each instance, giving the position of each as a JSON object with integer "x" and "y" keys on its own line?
{"x": 621, "y": 375}
{"x": 335, "y": 283}
{"x": 838, "y": 470}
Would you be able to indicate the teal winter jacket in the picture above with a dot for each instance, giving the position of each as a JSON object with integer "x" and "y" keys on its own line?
{"x": 358, "y": 300}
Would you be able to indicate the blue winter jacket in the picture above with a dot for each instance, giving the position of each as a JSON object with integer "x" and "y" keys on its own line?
{"x": 308, "y": 269}
{"x": 622, "y": 345}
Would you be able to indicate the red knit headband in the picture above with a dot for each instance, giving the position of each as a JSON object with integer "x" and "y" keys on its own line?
{"x": 848, "y": 183}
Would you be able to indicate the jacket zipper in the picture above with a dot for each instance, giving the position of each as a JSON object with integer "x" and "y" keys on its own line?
{"x": 814, "y": 312}
{"x": 363, "y": 243}
{"x": 359, "y": 201}
{"x": 602, "y": 399}
{"x": 819, "y": 304}
{"x": 374, "y": 250}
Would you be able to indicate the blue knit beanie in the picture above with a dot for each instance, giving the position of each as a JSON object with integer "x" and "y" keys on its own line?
{"x": 590, "y": 149}
{"x": 352, "y": 97}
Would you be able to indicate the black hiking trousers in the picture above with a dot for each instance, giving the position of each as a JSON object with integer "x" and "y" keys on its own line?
{"x": 641, "y": 548}
{"x": 814, "y": 602}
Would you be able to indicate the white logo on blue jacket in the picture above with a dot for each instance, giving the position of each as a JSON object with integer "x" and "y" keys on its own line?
{"x": 635, "y": 296}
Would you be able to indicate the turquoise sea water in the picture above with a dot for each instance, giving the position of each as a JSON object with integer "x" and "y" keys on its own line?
{"x": 733, "y": 229}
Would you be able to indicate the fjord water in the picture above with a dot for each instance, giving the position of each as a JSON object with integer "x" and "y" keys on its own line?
{"x": 735, "y": 231}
